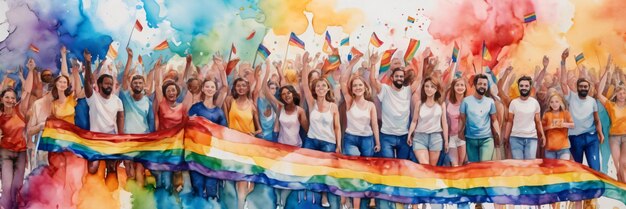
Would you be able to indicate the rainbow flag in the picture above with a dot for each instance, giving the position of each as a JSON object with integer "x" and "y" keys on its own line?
{"x": 486, "y": 54}
{"x": 33, "y": 48}
{"x": 531, "y": 17}
{"x": 455, "y": 53}
{"x": 411, "y": 50}
{"x": 385, "y": 61}
{"x": 355, "y": 52}
{"x": 580, "y": 58}
{"x": 374, "y": 40}
{"x": 163, "y": 45}
{"x": 222, "y": 153}
{"x": 138, "y": 26}
{"x": 345, "y": 41}
{"x": 263, "y": 51}
{"x": 295, "y": 41}
{"x": 328, "y": 46}
{"x": 112, "y": 53}
{"x": 410, "y": 19}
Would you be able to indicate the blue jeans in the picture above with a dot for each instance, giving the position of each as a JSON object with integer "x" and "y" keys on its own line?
{"x": 523, "y": 148}
{"x": 358, "y": 145}
{"x": 391, "y": 143}
{"x": 203, "y": 186}
{"x": 163, "y": 179}
{"x": 588, "y": 144}
{"x": 319, "y": 145}
{"x": 563, "y": 154}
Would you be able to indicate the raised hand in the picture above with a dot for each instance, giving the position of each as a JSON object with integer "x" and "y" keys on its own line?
{"x": 546, "y": 61}
{"x": 374, "y": 58}
{"x": 63, "y": 50}
{"x": 87, "y": 56}
{"x": 188, "y": 58}
{"x": 306, "y": 59}
{"x": 565, "y": 54}
{"x": 31, "y": 64}
{"x": 217, "y": 59}
{"x": 130, "y": 52}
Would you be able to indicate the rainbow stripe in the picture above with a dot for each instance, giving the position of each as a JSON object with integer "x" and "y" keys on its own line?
{"x": 411, "y": 50}
{"x": 263, "y": 51}
{"x": 385, "y": 61}
{"x": 486, "y": 54}
{"x": 530, "y": 17}
{"x": 219, "y": 152}
{"x": 328, "y": 46}
{"x": 163, "y": 45}
{"x": 295, "y": 41}
{"x": 374, "y": 40}
{"x": 410, "y": 19}
{"x": 33, "y": 48}
{"x": 580, "y": 58}
{"x": 345, "y": 42}
{"x": 455, "y": 53}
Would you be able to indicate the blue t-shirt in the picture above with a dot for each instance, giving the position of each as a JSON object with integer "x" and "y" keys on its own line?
{"x": 81, "y": 114}
{"x": 478, "y": 116}
{"x": 267, "y": 123}
{"x": 215, "y": 114}
{"x": 138, "y": 115}
{"x": 582, "y": 112}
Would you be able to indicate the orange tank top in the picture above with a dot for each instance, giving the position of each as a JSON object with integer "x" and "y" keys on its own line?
{"x": 13, "y": 131}
{"x": 170, "y": 116}
{"x": 241, "y": 119}
{"x": 65, "y": 111}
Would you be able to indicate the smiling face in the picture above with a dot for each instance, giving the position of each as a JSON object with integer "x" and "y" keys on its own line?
{"x": 286, "y": 96}
{"x": 459, "y": 87}
{"x": 358, "y": 87}
{"x": 555, "y": 103}
{"x": 194, "y": 86}
{"x": 321, "y": 88}
{"x": 241, "y": 88}
{"x": 430, "y": 89}
{"x": 209, "y": 89}
{"x": 524, "y": 88}
{"x": 61, "y": 83}
{"x": 482, "y": 85}
{"x": 137, "y": 85}
{"x": 171, "y": 93}
{"x": 9, "y": 99}
{"x": 620, "y": 95}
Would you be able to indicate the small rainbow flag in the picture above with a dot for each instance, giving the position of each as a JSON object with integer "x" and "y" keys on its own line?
{"x": 233, "y": 49}
{"x": 486, "y": 54}
{"x": 295, "y": 41}
{"x": 580, "y": 58}
{"x": 385, "y": 61}
{"x": 411, "y": 50}
{"x": 112, "y": 52}
{"x": 531, "y": 17}
{"x": 374, "y": 40}
{"x": 251, "y": 35}
{"x": 263, "y": 51}
{"x": 355, "y": 52}
{"x": 331, "y": 63}
{"x": 138, "y": 26}
{"x": 231, "y": 65}
{"x": 410, "y": 19}
{"x": 328, "y": 47}
{"x": 345, "y": 41}
{"x": 163, "y": 45}
{"x": 455, "y": 52}
{"x": 33, "y": 48}
{"x": 458, "y": 74}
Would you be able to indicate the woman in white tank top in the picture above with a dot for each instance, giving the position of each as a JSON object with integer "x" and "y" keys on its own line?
{"x": 324, "y": 128}
{"x": 361, "y": 137}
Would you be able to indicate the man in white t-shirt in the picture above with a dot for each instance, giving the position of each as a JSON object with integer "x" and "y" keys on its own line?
{"x": 106, "y": 113}
{"x": 523, "y": 128}
{"x": 395, "y": 100}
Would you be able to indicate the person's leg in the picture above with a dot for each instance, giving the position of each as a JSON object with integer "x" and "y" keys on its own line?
{"x": 18, "y": 176}
{"x": 592, "y": 151}
{"x": 435, "y": 145}
{"x": 7, "y": 176}
{"x": 210, "y": 187}
{"x": 462, "y": 153}
{"x": 622, "y": 160}
{"x": 350, "y": 145}
{"x": 576, "y": 148}
{"x": 386, "y": 147}
{"x": 517, "y": 147}
{"x": 453, "y": 153}
{"x": 366, "y": 146}
{"x": 404, "y": 149}
{"x": 130, "y": 169}
{"x": 420, "y": 147}
{"x": 472, "y": 149}
{"x": 615, "y": 144}
{"x": 197, "y": 183}
{"x": 486, "y": 149}
{"x": 530, "y": 150}
{"x": 140, "y": 175}
{"x": 550, "y": 154}
{"x": 564, "y": 154}
{"x": 326, "y": 147}
{"x": 166, "y": 180}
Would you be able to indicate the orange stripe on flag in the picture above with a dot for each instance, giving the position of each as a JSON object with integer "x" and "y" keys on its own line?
{"x": 163, "y": 45}
{"x": 34, "y": 48}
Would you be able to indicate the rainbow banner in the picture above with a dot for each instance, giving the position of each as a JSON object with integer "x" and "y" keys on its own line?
{"x": 219, "y": 152}
{"x": 414, "y": 44}
{"x": 385, "y": 61}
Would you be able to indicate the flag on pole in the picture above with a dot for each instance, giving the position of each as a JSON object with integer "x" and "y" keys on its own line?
{"x": 414, "y": 44}
{"x": 33, "y": 48}
{"x": 455, "y": 53}
{"x": 231, "y": 65}
{"x": 112, "y": 53}
{"x": 580, "y": 58}
{"x": 355, "y": 52}
{"x": 486, "y": 54}
{"x": 345, "y": 41}
{"x": 251, "y": 35}
{"x": 531, "y": 17}
{"x": 385, "y": 61}
{"x": 331, "y": 63}
{"x": 328, "y": 47}
{"x": 410, "y": 19}
{"x": 138, "y": 26}
{"x": 458, "y": 74}
{"x": 374, "y": 40}
{"x": 233, "y": 49}
{"x": 295, "y": 41}
{"x": 163, "y": 45}
{"x": 263, "y": 51}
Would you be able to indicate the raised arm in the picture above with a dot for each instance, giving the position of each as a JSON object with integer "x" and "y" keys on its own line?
{"x": 266, "y": 89}
{"x": 503, "y": 85}
{"x": 564, "y": 86}
{"x": 260, "y": 81}
{"x": 345, "y": 79}
{"x": 218, "y": 63}
{"x": 125, "y": 77}
{"x": 78, "y": 89}
{"x": 542, "y": 73}
{"x": 306, "y": 88}
{"x": 304, "y": 122}
{"x": 27, "y": 88}
{"x": 88, "y": 81}
{"x": 150, "y": 82}
{"x": 417, "y": 82}
{"x": 188, "y": 68}
{"x": 376, "y": 85}
{"x": 158, "y": 78}
{"x": 64, "y": 69}
{"x": 603, "y": 83}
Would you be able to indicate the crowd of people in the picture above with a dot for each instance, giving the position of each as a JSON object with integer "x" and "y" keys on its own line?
{"x": 417, "y": 112}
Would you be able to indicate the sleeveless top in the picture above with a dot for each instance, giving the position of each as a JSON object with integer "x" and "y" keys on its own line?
{"x": 13, "y": 135}
{"x": 429, "y": 119}
{"x": 289, "y": 128}
{"x": 241, "y": 120}
{"x": 65, "y": 111}
{"x": 359, "y": 121}
{"x": 267, "y": 122}
{"x": 170, "y": 116}
{"x": 321, "y": 125}
{"x": 454, "y": 115}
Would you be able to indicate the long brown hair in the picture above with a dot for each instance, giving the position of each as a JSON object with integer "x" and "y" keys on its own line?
{"x": 54, "y": 91}
{"x": 2, "y": 96}
{"x": 367, "y": 95}
{"x": 233, "y": 90}
{"x": 437, "y": 95}
{"x": 452, "y": 93}
{"x": 330, "y": 96}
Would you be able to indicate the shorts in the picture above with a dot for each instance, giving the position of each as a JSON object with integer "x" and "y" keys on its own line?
{"x": 430, "y": 142}
{"x": 455, "y": 142}
{"x": 619, "y": 138}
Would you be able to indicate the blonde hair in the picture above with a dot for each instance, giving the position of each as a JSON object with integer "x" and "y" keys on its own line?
{"x": 617, "y": 89}
{"x": 367, "y": 95}
{"x": 563, "y": 106}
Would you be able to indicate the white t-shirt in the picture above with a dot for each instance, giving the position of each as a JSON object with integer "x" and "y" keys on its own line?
{"x": 524, "y": 117}
{"x": 396, "y": 107}
{"x": 103, "y": 113}
{"x": 582, "y": 112}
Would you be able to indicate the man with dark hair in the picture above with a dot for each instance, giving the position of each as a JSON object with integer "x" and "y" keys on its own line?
{"x": 523, "y": 127}
{"x": 106, "y": 113}
{"x": 478, "y": 122}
